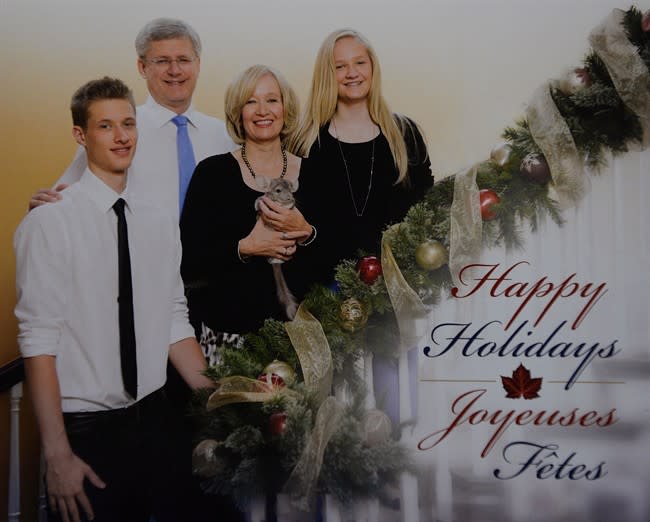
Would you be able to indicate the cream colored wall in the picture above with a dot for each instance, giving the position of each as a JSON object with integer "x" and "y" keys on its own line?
{"x": 462, "y": 68}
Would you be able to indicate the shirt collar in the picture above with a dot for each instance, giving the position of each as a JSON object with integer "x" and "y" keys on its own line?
{"x": 162, "y": 115}
{"x": 100, "y": 193}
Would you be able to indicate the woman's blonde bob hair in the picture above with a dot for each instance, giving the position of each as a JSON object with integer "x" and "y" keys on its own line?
{"x": 242, "y": 88}
{"x": 323, "y": 97}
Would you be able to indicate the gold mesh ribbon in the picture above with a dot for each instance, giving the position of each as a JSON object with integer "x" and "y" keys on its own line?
{"x": 309, "y": 341}
{"x": 552, "y": 135}
{"x": 626, "y": 68}
{"x": 243, "y": 389}
{"x": 301, "y": 485}
{"x": 406, "y": 303}
{"x": 466, "y": 224}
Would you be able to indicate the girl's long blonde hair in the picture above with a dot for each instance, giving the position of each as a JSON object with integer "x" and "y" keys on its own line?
{"x": 323, "y": 96}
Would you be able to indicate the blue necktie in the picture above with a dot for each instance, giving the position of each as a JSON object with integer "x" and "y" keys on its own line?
{"x": 186, "y": 161}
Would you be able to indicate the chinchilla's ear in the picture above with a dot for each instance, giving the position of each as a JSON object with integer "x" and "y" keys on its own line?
{"x": 293, "y": 185}
{"x": 263, "y": 183}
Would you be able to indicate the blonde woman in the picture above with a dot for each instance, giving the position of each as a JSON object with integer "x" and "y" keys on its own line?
{"x": 367, "y": 164}
{"x": 225, "y": 266}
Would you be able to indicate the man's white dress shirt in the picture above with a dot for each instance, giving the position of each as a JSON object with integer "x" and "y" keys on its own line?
{"x": 67, "y": 283}
{"x": 153, "y": 176}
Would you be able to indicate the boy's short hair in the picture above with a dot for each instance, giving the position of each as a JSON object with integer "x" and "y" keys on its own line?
{"x": 103, "y": 89}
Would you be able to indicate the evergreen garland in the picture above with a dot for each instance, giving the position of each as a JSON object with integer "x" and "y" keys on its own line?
{"x": 598, "y": 119}
{"x": 251, "y": 460}
{"x": 633, "y": 23}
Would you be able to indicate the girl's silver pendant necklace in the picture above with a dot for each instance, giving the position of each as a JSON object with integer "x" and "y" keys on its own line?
{"x": 347, "y": 172}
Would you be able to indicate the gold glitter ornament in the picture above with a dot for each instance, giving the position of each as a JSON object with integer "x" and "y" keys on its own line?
{"x": 281, "y": 369}
{"x": 353, "y": 315}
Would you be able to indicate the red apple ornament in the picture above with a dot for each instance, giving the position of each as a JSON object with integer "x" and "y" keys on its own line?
{"x": 278, "y": 423}
{"x": 645, "y": 21}
{"x": 369, "y": 268}
{"x": 488, "y": 199}
{"x": 575, "y": 81}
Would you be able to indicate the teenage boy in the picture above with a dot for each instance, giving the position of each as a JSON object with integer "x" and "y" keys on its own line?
{"x": 101, "y": 309}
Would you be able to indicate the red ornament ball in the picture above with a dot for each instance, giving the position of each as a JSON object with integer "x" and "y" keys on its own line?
{"x": 278, "y": 423}
{"x": 272, "y": 379}
{"x": 575, "y": 81}
{"x": 488, "y": 199}
{"x": 645, "y": 21}
{"x": 369, "y": 268}
{"x": 535, "y": 168}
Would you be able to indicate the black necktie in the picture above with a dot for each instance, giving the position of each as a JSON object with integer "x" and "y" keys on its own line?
{"x": 125, "y": 304}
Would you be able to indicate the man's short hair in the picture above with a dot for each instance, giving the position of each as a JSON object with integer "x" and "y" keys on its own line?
{"x": 165, "y": 29}
{"x": 103, "y": 89}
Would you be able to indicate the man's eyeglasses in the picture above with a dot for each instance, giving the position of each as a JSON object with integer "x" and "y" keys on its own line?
{"x": 165, "y": 63}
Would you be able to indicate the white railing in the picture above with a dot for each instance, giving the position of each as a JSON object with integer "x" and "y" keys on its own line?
{"x": 16, "y": 395}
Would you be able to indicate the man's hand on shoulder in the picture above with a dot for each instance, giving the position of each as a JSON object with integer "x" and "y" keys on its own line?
{"x": 46, "y": 196}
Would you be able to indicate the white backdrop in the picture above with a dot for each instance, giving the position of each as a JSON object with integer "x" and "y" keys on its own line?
{"x": 604, "y": 240}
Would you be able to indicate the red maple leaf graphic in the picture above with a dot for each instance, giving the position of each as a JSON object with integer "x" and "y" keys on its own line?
{"x": 521, "y": 385}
